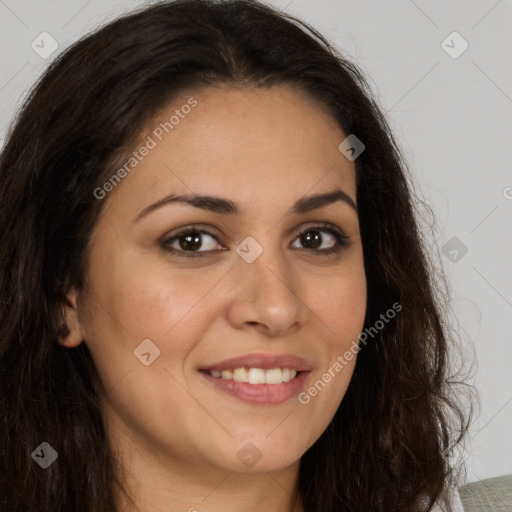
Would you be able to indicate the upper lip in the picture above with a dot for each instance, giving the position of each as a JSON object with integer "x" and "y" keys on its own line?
{"x": 264, "y": 361}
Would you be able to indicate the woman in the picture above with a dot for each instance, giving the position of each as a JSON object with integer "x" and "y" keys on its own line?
{"x": 214, "y": 291}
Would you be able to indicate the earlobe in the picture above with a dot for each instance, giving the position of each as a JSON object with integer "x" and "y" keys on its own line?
{"x": 70, "y": 333}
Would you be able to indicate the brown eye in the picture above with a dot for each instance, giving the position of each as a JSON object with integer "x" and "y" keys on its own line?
{"x": 312, "y": 239}
{"x": 189, "y": 242}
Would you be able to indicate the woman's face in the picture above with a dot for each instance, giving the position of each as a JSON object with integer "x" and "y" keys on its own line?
{"x": 255, "y": 290}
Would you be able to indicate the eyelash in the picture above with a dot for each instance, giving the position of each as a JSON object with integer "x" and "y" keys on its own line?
{"x": 340, "y": 237}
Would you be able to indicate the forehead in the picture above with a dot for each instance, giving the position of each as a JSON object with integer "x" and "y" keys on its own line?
{"x": 258, "y": 144}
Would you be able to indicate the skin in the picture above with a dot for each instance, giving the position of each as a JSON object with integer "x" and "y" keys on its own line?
{"x": 177, "y": 435}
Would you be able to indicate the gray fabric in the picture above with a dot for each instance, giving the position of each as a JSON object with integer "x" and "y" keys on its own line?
{"x": 491, "y": 495}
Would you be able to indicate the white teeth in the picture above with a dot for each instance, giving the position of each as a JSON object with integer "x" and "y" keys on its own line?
{"x": 241, "y": 375}
{"x": 274, "y": 376}
{"x": 256, "y": 375}
{"x": 226, "y": 374}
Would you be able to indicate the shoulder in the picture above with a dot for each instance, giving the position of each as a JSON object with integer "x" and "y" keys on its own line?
{"x": 451, "y": 503}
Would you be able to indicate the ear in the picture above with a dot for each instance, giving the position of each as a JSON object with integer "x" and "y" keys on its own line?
{"x": 71, "y": 335}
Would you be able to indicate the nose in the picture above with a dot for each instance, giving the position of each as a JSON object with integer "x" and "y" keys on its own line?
{"x": 265, "y": 295}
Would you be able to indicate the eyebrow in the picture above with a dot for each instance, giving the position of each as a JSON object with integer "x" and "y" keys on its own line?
{"x": 228, "y": 207}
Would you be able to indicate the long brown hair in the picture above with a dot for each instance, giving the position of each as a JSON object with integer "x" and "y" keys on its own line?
{"x": 383, "y": 450}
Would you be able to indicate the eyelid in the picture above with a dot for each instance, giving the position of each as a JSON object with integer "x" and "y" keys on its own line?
{"x": 192, "y": 228}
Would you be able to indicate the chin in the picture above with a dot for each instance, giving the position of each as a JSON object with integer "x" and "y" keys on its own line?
{"x": 262, "y": 454}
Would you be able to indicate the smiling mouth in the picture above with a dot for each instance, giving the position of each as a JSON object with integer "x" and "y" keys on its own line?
{"x": 255, "y": 375}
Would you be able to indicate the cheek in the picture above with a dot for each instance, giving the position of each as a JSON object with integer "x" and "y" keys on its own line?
{"x": 137, "y": 298}
{"x": 342, "y": 314}
{"x": 339, "y": 300}
{"x": 340, "y": 305}
{"x": 142, "y": 297}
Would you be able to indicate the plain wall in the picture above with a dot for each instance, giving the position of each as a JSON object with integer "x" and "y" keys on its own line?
{"x": 452, "y": 116}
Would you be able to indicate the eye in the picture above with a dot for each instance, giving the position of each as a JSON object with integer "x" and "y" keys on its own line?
{"x": 310, "y": 237}
{"x": 190, "y": 240}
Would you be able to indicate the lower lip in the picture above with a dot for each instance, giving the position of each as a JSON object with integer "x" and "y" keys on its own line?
{"x": 260, "y": 393}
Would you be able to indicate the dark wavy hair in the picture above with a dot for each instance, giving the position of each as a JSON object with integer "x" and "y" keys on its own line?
{"x": 383, "y": 450}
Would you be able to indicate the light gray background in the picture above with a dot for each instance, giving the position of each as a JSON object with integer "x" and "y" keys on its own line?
{"x": 452, "y": 117}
